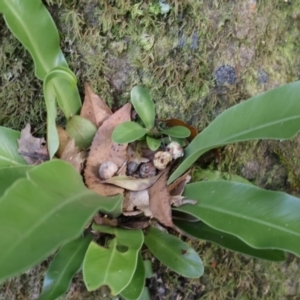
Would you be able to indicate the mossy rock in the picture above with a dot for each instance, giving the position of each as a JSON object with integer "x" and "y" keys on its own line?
{"x": 198, "y": 59}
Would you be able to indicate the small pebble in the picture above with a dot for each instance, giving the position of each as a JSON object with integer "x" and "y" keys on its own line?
{"x": 161, "y": 160}
{"x": 107, "y": 170}
{"x": 131, "y": 167}
{"x": 147, "y": 170}
{"x": 175, "y": 149}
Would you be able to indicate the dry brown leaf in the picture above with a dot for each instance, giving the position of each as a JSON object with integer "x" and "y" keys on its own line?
{"x": 135, "y": 155}
{"x": 177, "y": 188}
{"x": 136, "y": 224}
{"x": 72, "y": 155}
{"x": 64, "y": 139}
{"x": 132, "y": 213}
{"x": 132, "y": 183}
{"x": 160, "y": 200}
{"x": 33, "y": 150}
{"x": 104, "y": 149}
{"x": 139, "y": 201}
{"x": 104, "y": 220}
{"x": 180, "y": 200}
{"x": 94, "y": 108}
{"x": 144, "y": 150}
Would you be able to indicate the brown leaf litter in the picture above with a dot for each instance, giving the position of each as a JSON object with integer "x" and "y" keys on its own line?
{"x": 34, "y": 150}
{"x": 176, "y": 190}
{"x": 160, "y": 200}
{"x": 103, "y": 149}
{"x": 136, "y": 203}
{"x": 94, "y": 108}
{"x": 132, "y": 183}
{"x": 68, "y": 151}
{"x": 144, "y": 198}
{"x": 73, "y": 155}
{"x": 63, "y": 140}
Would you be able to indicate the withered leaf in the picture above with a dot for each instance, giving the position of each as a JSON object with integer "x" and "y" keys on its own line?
{"x": 132, "y": 213}
{"x": 94, "y": 108}
{"x": 135, "y": 224}
{"x": 104, "y": 149}
{"x": 180, "y": 200}
{"x": 72, "y": 155}
{"x": 134, "y": 153}
{"x": 177, "y": 188}
{"x": 160, "y": 200}
{"x": 132, "y": 183}
{"x": 137, "y": 200}
{"x": 104, "y": 220}
{"x": 33, "y": 150}
{"x": 63, "y": 140}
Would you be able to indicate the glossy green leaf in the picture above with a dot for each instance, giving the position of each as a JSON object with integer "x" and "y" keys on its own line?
{"x": 52, "y": 134}
{"x": 128, "y": 132}
{"x": 145, "y": 294}
{"x": 152, "y": 143}
{"x": 143, "y": 105}
{"x": 202, "y": 231}
{"x": 272, "y": 115}
{"x": 148, "y": 268}
{"x": 10, "y": 175}
{"x": 9, "y": 155}
{"x": 113, "y": 266}
{"x": 135, "y": 288}
{"x": 81, "y": 130}
{"x": 39, "y": 213}
{"x": 60, "y": 87}
{"x": 63, "y": 267}
{"x": 262, "y": 219}
{"x": 33, "y": 26}
{"x": 61, "y": 83}
{"x": 177, "y": 132}
{"x": 166, "y": 140}
{"x": 29, "y": 21}
{"x": 174, "y": 253}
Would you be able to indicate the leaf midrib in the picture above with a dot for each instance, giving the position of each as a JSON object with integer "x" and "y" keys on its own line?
{"x": 235, "y": 136}
{"x": 248, "y": 218}
{"x": 113, "y": 253}
{"x": 61, "y": 274}
{"x": 10, "y": 160}
{"x": 28, "y": 35}
{"x": 39, "y": 222}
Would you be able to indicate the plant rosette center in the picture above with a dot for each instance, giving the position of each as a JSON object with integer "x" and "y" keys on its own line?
{"x": 134, "y": 158}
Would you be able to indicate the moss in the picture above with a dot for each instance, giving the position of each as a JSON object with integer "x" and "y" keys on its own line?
{"x": 116, "y": 44}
